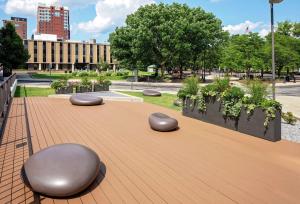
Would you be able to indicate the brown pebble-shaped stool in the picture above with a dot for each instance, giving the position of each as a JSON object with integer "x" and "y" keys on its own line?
{"x": 85, "y": 100}
{"x": 163, "y": 123}
{"x": 61, "y": 170}
{"x": 151, "y": 93}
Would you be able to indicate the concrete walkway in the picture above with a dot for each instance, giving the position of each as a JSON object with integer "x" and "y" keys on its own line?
{"x": 290, "y": 104}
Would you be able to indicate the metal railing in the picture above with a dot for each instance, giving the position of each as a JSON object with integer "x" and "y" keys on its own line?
{"x": 5, "y": 94}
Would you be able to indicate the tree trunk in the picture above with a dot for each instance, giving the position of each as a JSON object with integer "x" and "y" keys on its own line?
{"x": 262, "y": 73}
{"x": 181, "y": 72}
{"x": 162, "y": 71}
{"x": 248, "y": 73}
{"x": 203, "y": 76}
{"x": 279, "y": 72}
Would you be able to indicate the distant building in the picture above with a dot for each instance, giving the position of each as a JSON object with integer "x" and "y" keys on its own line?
{"x": 53, "y": 20}
{"x": 45, "y": 52}
{"x": 20, "y": 25}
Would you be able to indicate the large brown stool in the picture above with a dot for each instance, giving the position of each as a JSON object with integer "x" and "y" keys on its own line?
{"x": 162, "y": 122}
{"x": 151, "y": 93}
{"x": 61, "y": 170}
{"x": 85, "y": 100}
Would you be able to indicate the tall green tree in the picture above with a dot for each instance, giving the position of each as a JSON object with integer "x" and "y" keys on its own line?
{"x": 166, "y": 35}
{"x": 12, "y": 51}
{"x": 287, "y": 53}
{"x": 244, "y": 53}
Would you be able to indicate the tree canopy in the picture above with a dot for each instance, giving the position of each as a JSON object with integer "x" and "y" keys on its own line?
{"x": 250, "y": 52}
{"x": 244, "y": 53}
{"x": 168, "y": 35}
{"x": 12, "y": 52}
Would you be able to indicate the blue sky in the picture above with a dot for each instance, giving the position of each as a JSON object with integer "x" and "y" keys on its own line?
{"x": 97, "y": 18}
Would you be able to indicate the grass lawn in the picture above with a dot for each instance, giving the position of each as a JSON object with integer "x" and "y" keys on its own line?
{"x": 32, "y": 91}
{"x": 166, "y": 100}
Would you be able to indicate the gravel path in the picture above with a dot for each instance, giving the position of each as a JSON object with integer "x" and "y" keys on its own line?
{"x": 290, "y": 132}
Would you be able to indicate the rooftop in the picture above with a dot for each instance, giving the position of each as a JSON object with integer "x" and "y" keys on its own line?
{"x": 199, "y": 163}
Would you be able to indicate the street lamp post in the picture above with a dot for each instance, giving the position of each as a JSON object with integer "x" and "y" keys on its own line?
{"x": 272, "y": 2}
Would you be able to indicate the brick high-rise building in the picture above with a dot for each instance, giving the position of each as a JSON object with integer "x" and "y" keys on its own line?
{"x": 20, "y": 25}
{"x": 53, "y": 20}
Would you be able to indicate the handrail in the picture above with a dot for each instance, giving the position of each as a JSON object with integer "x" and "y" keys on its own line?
{"x": 5, "y": 94}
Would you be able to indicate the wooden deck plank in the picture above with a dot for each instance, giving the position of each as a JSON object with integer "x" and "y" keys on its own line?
{"x": 14, "y": 152}
{"x": 199, "y": 163}
{"x": 113, "y": 143}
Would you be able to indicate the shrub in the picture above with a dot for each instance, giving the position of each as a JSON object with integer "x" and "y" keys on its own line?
{"x": 108, "y": 74}
{"x": 258, "y": 91}
{"x": 101, "y": 80}
{"x": 233, "y": 94}
{"x": 289, "y": 118}
{"x": 232, "y": 102}
{"x": 270, "y": 107}
{"x": 58, "y": 84}
{"x": 93, "y": 74}
{"x": 221, "y": 84}
{"x": 190, "y": 87}
{"x": 85, "y": 82}
{"x": 83, "y": 74}
{"x": 75, "y": 74}
{"x": 216, "y": 88}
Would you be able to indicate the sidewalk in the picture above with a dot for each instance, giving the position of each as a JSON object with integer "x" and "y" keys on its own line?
{"x": 290, "y": 104}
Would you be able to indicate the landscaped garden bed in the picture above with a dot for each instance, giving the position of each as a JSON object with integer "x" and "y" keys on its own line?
{"x": 223, "y": 105}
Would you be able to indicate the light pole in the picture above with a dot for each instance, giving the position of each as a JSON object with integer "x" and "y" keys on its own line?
{"x": 272, "y": 2}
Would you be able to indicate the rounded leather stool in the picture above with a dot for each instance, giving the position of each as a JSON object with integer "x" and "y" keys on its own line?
{"x": 151, "y": 93}
{"x": 62, "y": 170}
{"x": 85, "y": 100}
{"x": 163, "y": 123}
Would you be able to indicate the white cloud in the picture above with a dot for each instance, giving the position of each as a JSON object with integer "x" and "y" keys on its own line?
{"x": 248, "y": 26}
{"x": 29, "y": 7}
{"x": 264, "y": 32}
{"x": 242, "y": 28}
{"x": 111, "y": 13}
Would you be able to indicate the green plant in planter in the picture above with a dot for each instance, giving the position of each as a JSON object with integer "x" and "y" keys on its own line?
{"x": 85, "y": 82}
{"x": 216, "y": 88}
{"x": 222, "y": 84}
{"x": 270, "y": 107}
{"x": 232, "y": 102}
{"x": 289, "y": 118}
{"x": 190, "y": 88}
{"x": 102, "y": 81}
{"x": 59, "y": 84}
{"x": 258, "y": 91}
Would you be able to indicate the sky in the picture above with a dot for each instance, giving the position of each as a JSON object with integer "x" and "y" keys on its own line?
{"x": 95, "y": 19}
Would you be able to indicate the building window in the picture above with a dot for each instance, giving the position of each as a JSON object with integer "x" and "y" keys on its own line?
{"x": 91, "y": 53}
{"x": 105, "y": 53}
{"x": 44, "y": 52}
{"x": 69, "y": 53}
{"x": 61, "y": 52}
{"x": 83, "y": 50}
{"x": 98, "y": 54}
{"x": 35, "y": 51}
{"x": 76, "y": 53}
{"x": 52, "y": 52}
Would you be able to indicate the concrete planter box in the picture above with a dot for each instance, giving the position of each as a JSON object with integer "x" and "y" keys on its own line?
{"x": 248, "y": 124}
{"x": 64, "y": 90}
{"x": 100, "y": 87}
{"x": 82, "y": 89}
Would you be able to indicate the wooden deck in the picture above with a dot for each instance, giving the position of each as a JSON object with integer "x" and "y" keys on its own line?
{"x": 199, "y": 163}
